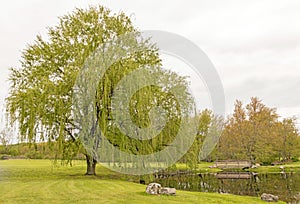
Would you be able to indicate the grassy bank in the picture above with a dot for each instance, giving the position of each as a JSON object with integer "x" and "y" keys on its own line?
{"x": 289, "y": 167}
{"x": 39, "y": 181}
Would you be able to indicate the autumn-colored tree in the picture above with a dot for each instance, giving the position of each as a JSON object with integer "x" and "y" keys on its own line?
{"x": 254, "y": 132}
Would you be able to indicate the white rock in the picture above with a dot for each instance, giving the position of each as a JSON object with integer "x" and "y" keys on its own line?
{"x": 168, "y": 191}
{"x": 153, "y": 188}
{"x": 269, "y": 197}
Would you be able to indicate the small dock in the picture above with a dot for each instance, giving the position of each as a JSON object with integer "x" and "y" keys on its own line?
{"x": 235, "y": 175}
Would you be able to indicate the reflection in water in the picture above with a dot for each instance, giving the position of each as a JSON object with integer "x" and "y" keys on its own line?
{"x": 284, "y": 185}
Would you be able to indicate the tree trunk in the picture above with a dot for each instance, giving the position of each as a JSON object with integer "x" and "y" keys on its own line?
{"x": 90, "y": 165}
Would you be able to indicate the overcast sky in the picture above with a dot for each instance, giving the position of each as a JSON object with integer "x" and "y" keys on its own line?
{"x": 254, "y": 45}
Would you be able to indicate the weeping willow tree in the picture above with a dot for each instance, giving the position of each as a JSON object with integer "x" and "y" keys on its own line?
{"x": 138, "y": 106}
{"x": 40, "y": 98}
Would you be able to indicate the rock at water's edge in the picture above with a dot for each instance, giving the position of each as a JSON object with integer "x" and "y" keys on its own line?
{"x": 269, "y": 197}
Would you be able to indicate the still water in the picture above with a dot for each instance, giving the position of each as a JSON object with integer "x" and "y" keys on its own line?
{"x": 284, "y": 185}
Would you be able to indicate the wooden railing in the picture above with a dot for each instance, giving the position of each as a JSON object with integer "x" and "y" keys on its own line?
{"x": 232, "y": 164}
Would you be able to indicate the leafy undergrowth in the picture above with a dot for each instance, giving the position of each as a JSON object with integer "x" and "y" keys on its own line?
{"x": 39, "y": 181}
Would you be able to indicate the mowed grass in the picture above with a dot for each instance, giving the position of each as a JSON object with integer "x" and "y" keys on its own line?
{"x": 40, "y": 181}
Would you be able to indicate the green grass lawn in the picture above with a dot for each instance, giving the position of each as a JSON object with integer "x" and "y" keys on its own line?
{"x": 39, "y": 181}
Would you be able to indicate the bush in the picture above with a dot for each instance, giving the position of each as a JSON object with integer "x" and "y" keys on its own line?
{"x": 4, "y": 157}
{"x": 13, "y": 152}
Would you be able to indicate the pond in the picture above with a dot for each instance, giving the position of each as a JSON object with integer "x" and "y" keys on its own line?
{"x": 284, "y": 185}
